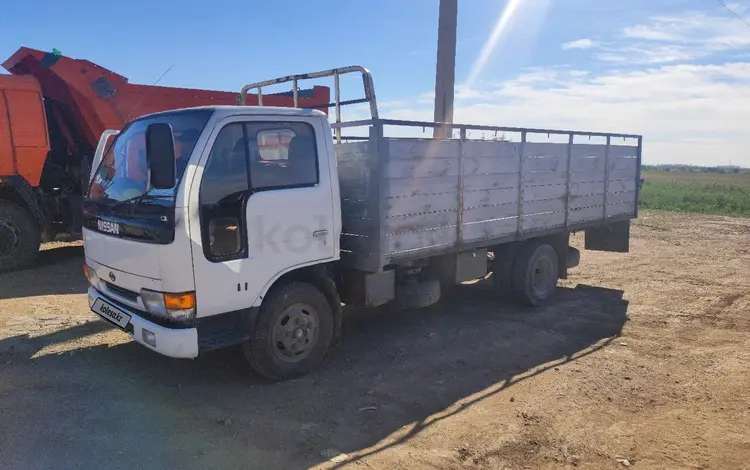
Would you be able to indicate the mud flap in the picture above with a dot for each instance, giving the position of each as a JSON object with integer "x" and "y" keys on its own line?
{"x": 614, "y": 237}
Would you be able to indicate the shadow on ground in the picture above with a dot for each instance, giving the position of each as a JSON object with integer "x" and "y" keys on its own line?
{"x": 62, "y": 266}
{"x": 125, "y": 406}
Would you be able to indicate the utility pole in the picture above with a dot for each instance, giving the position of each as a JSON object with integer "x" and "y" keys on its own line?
{"x": 445, "y": 76}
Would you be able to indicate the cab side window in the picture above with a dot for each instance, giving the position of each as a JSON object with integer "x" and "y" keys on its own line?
{"x": 223, "y": 192}
{"x": 282, "y": 155}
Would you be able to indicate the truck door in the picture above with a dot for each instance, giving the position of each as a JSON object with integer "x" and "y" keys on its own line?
{"x": 265, "y": 206}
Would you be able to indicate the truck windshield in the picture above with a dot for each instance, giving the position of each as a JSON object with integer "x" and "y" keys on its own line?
{"x": 123, "y": 172}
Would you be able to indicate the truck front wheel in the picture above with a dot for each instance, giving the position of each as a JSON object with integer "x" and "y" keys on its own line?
{"x": 292, "y": 333}
{"x": 20, "y": 237}
{"x": 535, "y": 273}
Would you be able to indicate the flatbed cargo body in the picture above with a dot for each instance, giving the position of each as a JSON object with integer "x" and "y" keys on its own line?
{"x": 409, "y": 198}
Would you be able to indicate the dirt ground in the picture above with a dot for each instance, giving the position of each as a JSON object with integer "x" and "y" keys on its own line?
{"x": 643, "y": 361}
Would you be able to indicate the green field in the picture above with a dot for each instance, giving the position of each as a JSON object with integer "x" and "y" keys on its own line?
{"x": 711, "y": 193}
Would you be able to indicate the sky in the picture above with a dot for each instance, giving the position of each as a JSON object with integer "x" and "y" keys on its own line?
{"x": 675, "y": 71}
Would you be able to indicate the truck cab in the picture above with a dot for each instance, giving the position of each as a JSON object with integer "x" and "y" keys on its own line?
{"x": 251, "y": 195}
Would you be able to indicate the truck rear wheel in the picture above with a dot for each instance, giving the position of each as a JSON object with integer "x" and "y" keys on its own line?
{"x": 417, "y": 293}
{"x": 292, "y": 334}
{"x": 535, "y": 273}
{"x": 20, "y": 237}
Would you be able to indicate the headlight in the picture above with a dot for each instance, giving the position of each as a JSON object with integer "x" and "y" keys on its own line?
{"x": 177, "y": 307}
{"x": 92, "y": 277}
{"x": 154, "y": 303}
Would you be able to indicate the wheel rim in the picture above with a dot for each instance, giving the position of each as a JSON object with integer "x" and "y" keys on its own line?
{"x": 295, "y": 332}
{"x": 544, "y": 277}
{"x": 10, "y": 238}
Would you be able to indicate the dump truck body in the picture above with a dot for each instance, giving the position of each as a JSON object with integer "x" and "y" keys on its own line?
{"x": 24, "y": 140}
{"x": 53, "y": 111}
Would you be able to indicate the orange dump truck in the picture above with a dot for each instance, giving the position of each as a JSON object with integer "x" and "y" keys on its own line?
{"x": 53, "y": 110}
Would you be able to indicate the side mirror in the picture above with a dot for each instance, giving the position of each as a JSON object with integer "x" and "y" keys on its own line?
{"x": 160, "y": 155}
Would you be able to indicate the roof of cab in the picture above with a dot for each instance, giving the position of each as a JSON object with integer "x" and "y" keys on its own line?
{"x": 248, "y": 110}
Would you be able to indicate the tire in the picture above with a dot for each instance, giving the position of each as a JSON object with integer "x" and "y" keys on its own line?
{"x": 535, "y": 273}
{"x": 417, "y": 294}
{"x": 20, "y": 237}
{"x": 292, "y": 334}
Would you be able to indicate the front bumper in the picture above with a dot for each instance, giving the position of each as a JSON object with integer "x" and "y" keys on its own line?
{"x": 172, "y": 342}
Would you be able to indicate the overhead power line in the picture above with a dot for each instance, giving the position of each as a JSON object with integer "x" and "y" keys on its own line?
{"x": 736, "y": 15}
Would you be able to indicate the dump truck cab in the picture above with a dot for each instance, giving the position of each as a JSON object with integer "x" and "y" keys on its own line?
{"x": 53, "y": 112}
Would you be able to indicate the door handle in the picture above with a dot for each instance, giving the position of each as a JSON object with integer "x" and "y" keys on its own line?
{"x": 320, "y": 233}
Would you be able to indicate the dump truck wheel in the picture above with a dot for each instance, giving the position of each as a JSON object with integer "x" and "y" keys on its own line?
{"x": 535, "y": 273}
{"x": 20, "y": 237}
{"x": 413, "y": 293}
{"x": 292, "y": 333}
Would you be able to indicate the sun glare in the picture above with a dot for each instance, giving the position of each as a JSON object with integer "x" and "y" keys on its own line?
{"x": 503, "y": 23}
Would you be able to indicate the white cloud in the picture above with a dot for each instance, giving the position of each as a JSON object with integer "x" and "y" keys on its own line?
{"x": 672, "y": 38}
{"x": 694, "y": 114}
{"x": 653, "y": 32}
{"x": 643, "y": 79}
{"x": 654, "y": 54}
{"x": 714, "y": 30}
{"x": 579, "y": 44}
{"x": 393, "y": 104}
{"x": 686, "y": 36}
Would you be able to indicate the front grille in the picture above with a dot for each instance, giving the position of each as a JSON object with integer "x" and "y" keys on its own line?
{"x": 122, "y": 292}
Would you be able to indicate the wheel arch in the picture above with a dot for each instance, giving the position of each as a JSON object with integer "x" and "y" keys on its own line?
{"x": 523, "y": 268}
{"x": 560, "y": 242}
{"x": 16, "y": 190}
{"x": 319, "y": 276}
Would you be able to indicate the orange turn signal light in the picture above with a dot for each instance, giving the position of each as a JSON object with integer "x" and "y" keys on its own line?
{"x": 86, "y": 270}
{"x": 179, "y": 301}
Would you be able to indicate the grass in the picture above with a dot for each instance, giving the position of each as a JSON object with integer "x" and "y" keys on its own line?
{"x": 709, "y": 193}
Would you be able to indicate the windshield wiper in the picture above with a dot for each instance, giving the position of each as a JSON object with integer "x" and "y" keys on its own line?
{"x": 137, "y": 200}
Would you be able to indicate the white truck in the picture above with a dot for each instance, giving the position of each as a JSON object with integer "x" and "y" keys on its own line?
{"x": 220, "y": 226}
